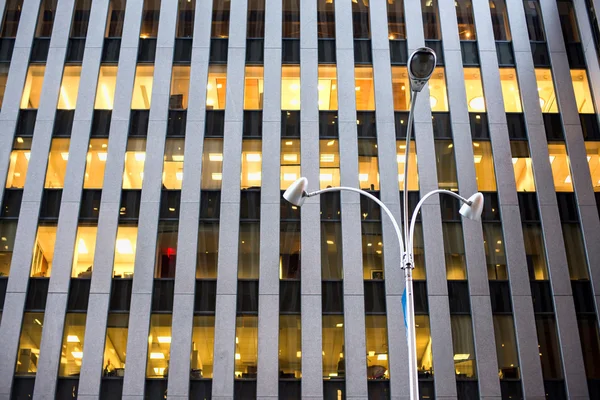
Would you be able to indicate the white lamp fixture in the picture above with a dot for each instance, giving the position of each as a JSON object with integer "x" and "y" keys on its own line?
{"x": 473, "y": 208}
{"x": 296, "y": 193}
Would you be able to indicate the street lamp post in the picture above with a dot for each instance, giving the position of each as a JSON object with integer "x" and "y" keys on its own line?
{"x": 420, "y": 67}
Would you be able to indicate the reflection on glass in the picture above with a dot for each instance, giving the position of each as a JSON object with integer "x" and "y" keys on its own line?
{"x": 208, "y": 250}
{"x": 159, "y": 346}
{"x": 251, "y": 163}
{"x": 185, "y": 18}
{"x": 329, "y": 156}
{"x": 8, "y": 230}
{"x": 3, "y": 78}
{"x": 522, "y": 166}
{"x": 495, "y": 256}
{"x": 377, "y": 347}
{"x": 360, "y": 19}
{"x": 290, "y": 162}
{"x": 83, "y": 255}
{"x": 289, "y": 250}
{"x": 431, "y": 20}
{"x": 203, "y": 343}
{"x": 368, "y": 168}
{"x": 575, "y": 249}
{"x": 325, "y": 19}
{"x": 12, "y": 15}
{"x": 69, "y": 88}
{"x": 290, "y": 347}
{"x": 33, "y": 87}
{"x": 46, "y": 18}
{"x": 105, "y": 91}
{"x": 396, "y": 25}
{"x": 172, "y": 175}
{"x": 180, "y": 85}
{"x": 438, "y": 98}
{"x": 545, "y": 87}
{"x": 254, "y": 88}
{"x": 413, "y": 176}
{"x": 220, "y": 19}
{"x": 43, "y": 251}
{"x": 249, "y": 251}
{"x": 256, "y": 19}
{"x": 474, "y": 89}
{"x": 533, "y": 17}
{"x": 506, "y": 347}
{"x": 246, "y": 347}
{"x": 454, "y": 251}
{"x": 81, "y": 18}
{"x": 135, "y": 158}
{"x": 212, "y": 163}
{"x": 334, "y": 364}
{"x": 464, "y": 350}
{"x": 364, "y": 88}
{"x": 115, "y": 346}
{"x": 95, "y": 164}
{"x": 400, "y": 88}
{"x": 549, "y": 347}
{"x": 423, "y": 345}
{"x": 166, "y": 249}
{"x": 142, "y": 87}
{"x": 72, "y": 345}
{"x": 559, "y": 160}
{"x": 125, "y": 248}
{"x": 216, "y": 88}
{"x": 581, "y": 87}
{"x": 484, "y": 166}
{"x": 372, "y": 251}
{"x": 535, "y": 252}
{"x": 290, "y": 87}
{"x": 291, "y": 19}
{"x": 331, "y": 251}
{"x": 115, "y": 18}
{"x": 29, "y": 344}
{"x": 328, "y": 98}
{"x": 150, "y": 15}
{"x": 510, "y": 90}
{"x": 446, "y": 165}
{"x": 593, "y": 156}
{"x": 19, "y": 162}
{"x": 500, "y": 23}
{"x": 57, "y": 163}
{"x": 465, "y": 19}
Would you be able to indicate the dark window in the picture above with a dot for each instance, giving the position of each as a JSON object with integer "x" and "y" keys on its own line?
{"x": 247, "y": 296}
{"x": 500, "y": 297}
{"x": 111, "y": 389}
{"x": 115, "y": 18}
{"x": 289, "y": 296}
{"x": 470, "y": 53}
{"x": 533, "y": 16}
{"x": 183, "y": 51}
{"x": 328, "y": 126}
{"x": 326, "y": 51}
{"x": 365, "y": 124}
{"x": 516, "y": 126}
{"x": 555, "y": 389}
{"x": 467, "y": 390}
{"x": 289, "y": 252}
{"x": 169, "y": 204}
{"x": 111, "y": 50}
{"x": 166, "y": 249}
{"x": 398, "y": 52}
{"x": 11, "y": 205}
{"x": 360, "y": 20}
{"x": 291, "y": 19}
{"x": 66, "y": 388}
{"x": 138, "y": 122}
{"x": 431, "y": 21}
{"x": 590, "y": 345}
{"x": 362, "y": 51}
{"x": 81, "y": 17}
{"x": 220, "y": 19}
{"x": 589, "y": 124}
{"x": 12, "y": 15}
{"x": 479, "y": 126}
{"x": 374, "y": 297}
{"x": 583, "y": 296}
{"x": 23, "y": 387}
{"x": 500, "y": 23}
{"x": 63, "y": 123}
{"x": 200, "y": 389}
{"x": 215, "y": 123}
{"x": 120, "y": 294}
{"x": 130, "y": 204}
{"x": 150, "y": 16}
{"x": 177, "y": 123}
{"x": 147, "y": 50}
{"x": 539, "y": 52}
{"x": 245, "y": 389}
{"x": 505, "y": 54}
{"x": 218, "y": 50}
{"x": 155, "y": 389}
{"x": 252, "y": 124}
{"x": 542, "y": 297}
{"x": 458, "y": 296}
{"x": 332, "y": 297}
{"x": 39, "y": 50}
{"x": 79, "y": 293}
{"x": 290, "y": 124}
{"x": 46, "y": 18}
{"x": 255, "y": 53}
{"x": 162, "y": 295}
{"x": 255, "y": 27}
{"x": 205, "y": 296}
{"x": 37, "y": 293}
{"x": 379, "y": 389}
{"x": 50, "y": 207}
{"x": 185, "y": 18}
{"x": 553, "y": 127}
{"x": 325, "y": 19}
{"x": 6, "y": 49}
{"x": 90, "y": 204}
{"x": 101, "y": 123}
{"x": 290, "y": 51}
{"x": 528, "y": 207}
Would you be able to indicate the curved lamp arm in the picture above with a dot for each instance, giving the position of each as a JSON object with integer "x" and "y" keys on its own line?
{"x": 375, "y": 199}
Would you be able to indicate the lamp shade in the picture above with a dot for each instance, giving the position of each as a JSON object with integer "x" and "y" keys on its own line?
{"x": 474, "y": 210}
{"x": 296, "y": 193}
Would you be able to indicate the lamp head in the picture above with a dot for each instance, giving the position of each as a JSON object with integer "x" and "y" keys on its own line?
{"x": 421, "y": 64}
{"x": 296, "y": 193}
{"x": 473, "y": 208}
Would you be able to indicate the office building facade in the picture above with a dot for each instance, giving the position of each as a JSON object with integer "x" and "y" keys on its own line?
{"x": 146, "y": 251}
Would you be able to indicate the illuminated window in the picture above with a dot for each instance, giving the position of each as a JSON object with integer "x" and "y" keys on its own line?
{"x": 212, "y": 163}
{"x": 208, "y": 250}
{"x": 203, "y": 343}
{"x": 372, "y": 250}
{"x": 19, "y": 161}
{"x": 291, "y": 19}
{"x": 575, "y": 249}
{"x": 431, "y": 20}
{"x": 29, "y": 344}
{"x": 57, "y": 163}
{"x": 418, "y": 253}
{"x": 462, "y": 344}
{"x": 166, "y": 249}
{"x": 12, "y": 15}
{"x": 474, "y": 90}
{"x": 81, "y": 18}
{"x": 220, "y": 19}
{"x": 185, "y": 18}
{"x": 465, "y": 19}
{"x": 289, "y": 250}
{"x": 438, "y": 99}
{"x": 377, "y": 347}
{"x": 249, "y": 251}
{"x": 43, "y": 251}
{"x": 3, "y": 78}
{"x": 72, "y": 344}
{"x": 495, "y": 256}
{"x": 533, "y": 17}
{"x": 254, "y": 88}
{"x": 535, "y": 252}
{"x": 8, "y": 230}
{"x": 581, "y": 87}
{"x": 559, "y": 160}
{"x": 593, "y": 157}
{"x": 368, "y": 168}
{"x": 69, "y": 88}
{"x": 251, "y": 163}
{"x": 360, "y": 18}
{"x": 413, "y": 176}
{"x": 329, "y": 155}
{"x": 180, "y": 85}
{"x": 216, "y": 87}
{"x": 396, "y": 25}
{"x": 454, "y": 251}
{"x": 115, "y": 19}
{"x": 115, "y": 346}
{"x": 328, "y": 98}
{"x": 549, "y": 347}
{"x": 46, "y": 18}
{"x": 290, "y": 162}
{"x": 135, "y": 158}
{"x": 446, "y": 165}
{"x": 334, "y": 364}
{"x": 484, "y": 166}
{"x": 290, "y": 347}
{"x": 142, "y": 87}
{"x": 125, "y": 248}
{"x": 506, "y": 347}
{"x": 331, "y": 251}
{"x": 522, "y": 166}
{"x": 95, "y": 164}
{"x": 256, "y": 19}
{"x": 246, "y": 346}
{"x": 105, "y": 91}
{"x": 290, "y": 87}
{"x": 400, "y": 88}
{"x": 325, "y": 19}
{"x": 172, "y": 175}
{"x": 85, "y": 247}
{"x": 150, "y": 15}
{"x": 424, "y": 354}
{"x": 159, "y": 346}
{"x": 33, "y": 86}
{"x": 500, "y": 20}
{"x": 545, "y": 87}
{"x": 364, "y": 88}
{"x": 510, "y": 90}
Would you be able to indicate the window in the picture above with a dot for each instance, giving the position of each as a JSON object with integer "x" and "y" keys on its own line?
{"x": 46, "y": 18}
{"x": 57, "y": 163}
{"x": 568, "y": 21}
{"x": 85, "y": 248}
{"x": 254, "y": 88}
{"x": 400, "y": 88}
{"x": 559, "y": 160}
{"x": 212, "y": 163}
{"x": 115, "y": 19}
{"x": 249, "y": 251}
{"x": 372, "y": 251}
{"x": 72, "y": 344}
{"x": 593, "y": 157}
{"x": 484, "y": 166}
{"x": 423, "y": 344}
{"x": 256, "y": 19}
{"x": 125, "y": 248}
{"x": 105, "y": 91}
{"x": 360, "y": 19}
{"x": 290, "y": 162}
{"x": 510, "y": 90}
{"x": 43, "y": 251}
{"x": 289, "y": 250}
{"x": 413, "y": 176}
{"x": 29, "y": 344}
{"x": 19, "y": 161}
{"x": 69, "y": 88}
{"x": 438, "y": 99}
{"x": 172, "y": 175}
{"x": 328, "y": 99}
{"x": 115, "y": 346}
{"x": 150, "y": 15}
{"x": 331, "y": 254}
{"x": 159, "y": 346}
{"x": 81, "y": 17}
{"x": 549, "y": 347}
{"x": 581, "y": 87}
{"x": 334, "y": 365}
{"x": 216, "y": 87}
{"x": 364, "y": 88}
{"x": 377, "y": 347}
{"x": 329, "y": 172}
{"x": 220, "y": 19}
{"x": 419, "y": 253}
{"x": 431, "y": 20}
{"x": 12, "y": 15}
{"x": 290, "y": 87}
{"x": 522, "y": 166}
{"x": 466, "y": 23}
{"x": 8, "y": 230}
{"x": 208, "y": 247}
{"x": 454, "y": 249}
{"x": 33, "y": 87}
{"x": 290, "y": 347}
{"x": 495, "y": 257}
{"x": 588, "y": 332}
{"x": 533, "y": 17}
{"x": 474, "y": 90}
{"x": 3, "y": 79}
{"x": 506, "y": 347}
{"x": 326, "y": 19}
{"x": 203, "y": 343}
{"x": 166, "y": 249}
{"x": 396, "y": 26}
{"x": 246, "y": 347}
{"x": 545, "y": 88}
{"x": 291, "y": 19}
{"x": 500, "y": 23}
{"x": 135, "y": 157}
{"x": 368, "y": 169}
{"x": 185, "y": 18}
{"x": 142, "y": 87}
{"x": 251, "y": 163}
{"x": 95, "y": 164}
{"x": 462, "y": 343}
{"x": 575, "y": 249}
{"x": 446, "y": 165}
{"x": 535, "y": 252}
{"x": 180, "y": 85}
